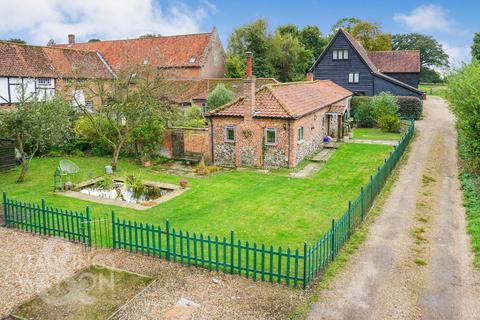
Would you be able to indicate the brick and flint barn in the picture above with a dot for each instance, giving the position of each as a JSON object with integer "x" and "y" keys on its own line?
{"x": 349, "y": 65}
{"x": 277, "y": 125}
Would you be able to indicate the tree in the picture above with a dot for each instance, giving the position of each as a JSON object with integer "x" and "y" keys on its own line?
{"x": 476, "y": 47}
{"x": 35, "y": 125}
{"x": 235, "y": 66}
{"x": 219, "y": 96}
{"x": 286, "y": 29}
{"x": 128, "y": 104}
{"x": 312, "y": 39}
{"x": 289, "y": 58}
{"x": 149, "y": 35}
{"x": 17, "y": 40}
{"x": 253, "y": 37}
{"x": 463, "y": 94}
{"x": 431, "y": 51}
{"x": 368, "y": 33}
{"x": 94, "y": 40}
{"x": 428, "y": 75}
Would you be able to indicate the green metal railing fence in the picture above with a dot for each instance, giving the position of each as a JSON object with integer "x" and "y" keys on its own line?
{"x": 227, "y": 254}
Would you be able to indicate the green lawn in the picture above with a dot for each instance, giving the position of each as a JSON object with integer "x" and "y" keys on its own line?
{"x": 434, "y": 89}
{"x": 260, "y": 207}
{"x": 374, "y": 134}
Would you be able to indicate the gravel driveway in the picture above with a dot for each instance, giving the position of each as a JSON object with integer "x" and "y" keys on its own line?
{"x": 30, "y": 264}
{"x": 416, "y": 262}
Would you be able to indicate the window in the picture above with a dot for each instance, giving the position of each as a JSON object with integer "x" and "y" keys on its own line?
{"x": 89, "y": 105}
{"x": 300, "y": 134}
{"x": 204, "y": 108}
{"x": 271, "y": 136}
{"x": 44, "y": 82}
{"x": 354, "y": 77}
{"x": 230, "y": 134}
{"x": 340, "y": 54}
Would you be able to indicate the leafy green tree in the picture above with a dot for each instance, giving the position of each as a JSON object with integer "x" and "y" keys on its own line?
{"x": 286, "y": 29}
{"x": 193, "y": 118}
{"x": 94, "y": 40}
{"x": 383, "y": 104}
{"x": 253, "y": 37}
{"x": 35, "y": 125}
{"x": 17, "y": 40}
{"x": 431, "y": 51}
{"x": 463, "y": 94}
{"x": 476, "y": 47}
{"x": 345, "y": 23}
{"x": 428, "y": 75}
{"x": 368, "y": 33}
{"x": 219, "y": 96}
{"x": 235, "y": 66}
{"x": 289, "y": 57}
{"x": 313, "y": 40}
{"x": 364, "y": 115}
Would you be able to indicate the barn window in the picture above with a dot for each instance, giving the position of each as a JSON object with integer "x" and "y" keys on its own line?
{"x": 230, "y": 134}
{"x": 340, "y": 54}
{"x": 271, "y": 136}
{"x": 354, "y": 77}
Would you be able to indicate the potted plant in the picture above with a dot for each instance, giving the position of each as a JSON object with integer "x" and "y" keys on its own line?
{"x": 183, "y": 183}
{"x": 201, "y": 168}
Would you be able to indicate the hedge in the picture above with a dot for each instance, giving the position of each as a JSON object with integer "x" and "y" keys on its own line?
{"x": 408, "y": 106}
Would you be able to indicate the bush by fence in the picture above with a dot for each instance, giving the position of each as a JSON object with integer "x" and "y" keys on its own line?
{"x": 408, "y": 106}
{"x": 227, "y": 254}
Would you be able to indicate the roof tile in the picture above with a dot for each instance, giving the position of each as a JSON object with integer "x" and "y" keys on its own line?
{"x": 396, "y": 61}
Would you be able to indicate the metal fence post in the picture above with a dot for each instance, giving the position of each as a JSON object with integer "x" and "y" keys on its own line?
{"x": 5, "y": 214}
{"x": 305, "y": 265}
{"x": 349, "y": 218}
{"x": 113, "y": 230}
{"x": 44, "y": 218}
{"x": 231, "y": 251}
{"x": 333, "y": 240}
{"x": 167, "y": 233}
{"x": 89, "y": 231}
{"x": 362, "y": 202}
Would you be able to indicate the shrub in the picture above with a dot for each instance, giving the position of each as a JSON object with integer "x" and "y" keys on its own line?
{"x": 356, "y": 102}
{"x": 383, "y": 104}
{"x": 389, "y": 123}
{"x": 364, "y": 116}
{"x": 410, "y": 106}
{"x": 219, "y": 96}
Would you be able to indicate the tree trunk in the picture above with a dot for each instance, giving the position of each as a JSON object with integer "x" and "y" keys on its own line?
{"x": 23, "y": 173}
{"x": 115, "y": 156}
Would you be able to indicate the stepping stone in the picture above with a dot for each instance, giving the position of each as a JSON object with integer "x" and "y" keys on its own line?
{"x": 308, "y": 171}
{"x": 182, "y": 310}
{"x": 323, "y": 155}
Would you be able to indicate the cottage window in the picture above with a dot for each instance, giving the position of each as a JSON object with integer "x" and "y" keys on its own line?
{"x": 271, "y": 136}
{"x": 44, "y": 82}
{"x": 230, "y": 134}
{"x": 89, "y": 105}
{"x": 354, "y": 77}
{"x": 340, "y": 54}
{"x": 300, "y": 134}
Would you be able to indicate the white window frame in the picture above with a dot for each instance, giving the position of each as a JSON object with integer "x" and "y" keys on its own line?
{"x": 354, "y": 77}
{"x": 227, "y": 128}
{"x": 44, "y": 82}
{"x": 340, "y": 54}
{"x": 300, "y": 134}
{"x": 266, "y": 136}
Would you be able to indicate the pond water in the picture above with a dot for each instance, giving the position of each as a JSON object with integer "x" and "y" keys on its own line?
{"x": 121, "y": 192}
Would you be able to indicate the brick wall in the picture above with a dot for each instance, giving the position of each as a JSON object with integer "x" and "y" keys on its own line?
{"x": 194, "y": 140}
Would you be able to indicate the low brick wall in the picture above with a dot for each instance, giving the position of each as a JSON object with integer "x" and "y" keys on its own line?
{"x": 195, "y": 140}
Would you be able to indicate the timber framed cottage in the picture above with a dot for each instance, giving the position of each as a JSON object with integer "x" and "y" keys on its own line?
{"x": 277, "y": 125}
{"x": 349, "y": 65}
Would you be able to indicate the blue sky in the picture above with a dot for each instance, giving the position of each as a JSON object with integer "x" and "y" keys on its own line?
{"x": 451, "y": 22}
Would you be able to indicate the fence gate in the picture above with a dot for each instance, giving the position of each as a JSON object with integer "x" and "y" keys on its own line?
{"x": 178, "y": 146}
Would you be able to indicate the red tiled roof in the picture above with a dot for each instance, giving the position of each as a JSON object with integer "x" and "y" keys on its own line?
{"x": 288, "y": 100}
{"x": 184, "y": 90}
{"x": 396, "y": 61}
{"x": 182, "y": 51}
{"x": 18, "y": 60}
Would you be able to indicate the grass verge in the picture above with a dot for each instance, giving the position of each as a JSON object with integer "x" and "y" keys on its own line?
{"x": 374, "y": 134}
{"x": 352, "y": 245}
{"x": 471, "y": 195}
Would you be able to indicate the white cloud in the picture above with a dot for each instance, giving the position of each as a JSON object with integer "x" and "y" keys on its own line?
{"x": 458, "y": 55}
{"x": 41, "y": 20}
{"x": 426, "y": 18}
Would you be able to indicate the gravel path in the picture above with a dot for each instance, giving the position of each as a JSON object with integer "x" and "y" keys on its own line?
{"x": 416, "y": 262}
{"x": 30, "y": 264}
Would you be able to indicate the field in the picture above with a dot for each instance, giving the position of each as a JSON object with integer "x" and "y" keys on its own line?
{"x": 262, "y": 207}
{"x": 434, "y": 89}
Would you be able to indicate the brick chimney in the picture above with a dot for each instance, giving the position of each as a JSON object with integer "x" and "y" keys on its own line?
{"x": 71, "y": 39}
{"x": 249, "y": 90}
{"x": 309, "y": 77}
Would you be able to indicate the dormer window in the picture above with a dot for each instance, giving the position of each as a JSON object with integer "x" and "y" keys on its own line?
{"x": 340, "y": 54}
{"x": 192, "y": 60}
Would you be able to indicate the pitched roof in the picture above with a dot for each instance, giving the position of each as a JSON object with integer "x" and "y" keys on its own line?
{"x": 180, "y": 51}
{"x": 288, "y": 100}
{"x": 365, "y": 56}
{"x": 396, "y": 61}
{"x": 19, "y": 60}
{"x": 184, "y": 90}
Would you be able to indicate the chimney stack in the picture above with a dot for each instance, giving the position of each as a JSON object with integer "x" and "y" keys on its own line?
{"x": 249, "y": 90}
{"x": 71, "y": 39}
{"x": 309, "y": 76}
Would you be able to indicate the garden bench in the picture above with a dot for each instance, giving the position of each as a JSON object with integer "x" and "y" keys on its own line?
{"x": 192, "y": 157}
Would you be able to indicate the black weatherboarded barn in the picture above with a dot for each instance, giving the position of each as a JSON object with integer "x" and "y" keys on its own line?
{"x": 349, "y": 65}
{"x": 7, "y": 154}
